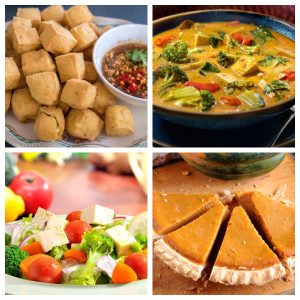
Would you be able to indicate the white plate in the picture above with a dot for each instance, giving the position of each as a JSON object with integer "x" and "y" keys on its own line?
{"x": 22, "y": 135}
{"x": 20, "y": 286}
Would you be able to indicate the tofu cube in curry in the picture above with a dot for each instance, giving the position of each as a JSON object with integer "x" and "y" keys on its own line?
{"x": 246, "y": 65}
{"x": 201, "y": 39}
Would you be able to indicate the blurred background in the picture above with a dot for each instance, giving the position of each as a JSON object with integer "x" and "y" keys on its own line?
{"x": 285, "y": 12}
{"x": 114, "y": 180}
{"x": 132, "y": 13}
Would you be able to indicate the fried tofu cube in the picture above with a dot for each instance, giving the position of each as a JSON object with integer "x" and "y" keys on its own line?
{"x": 99, "y": 31}
{"x": 33, "y": 14}
{"x": 84, "y": 35}
{"x": 57, "y": 39}
{"x": 25, "y": 39}
{"x": 7, "y": 100}
{"x": 84, "y": 124}
{"x": 103, "y": 100}
{"x": 22, "y": 81}
{"x": 201, "y": 40}
{"x": 70, "y": 66}
{"x": 77, "y": 15}
{"x": 49, "y": 124}
{"x": 15, "y": 56}
{"x": 286, "y": 52}
{"x": 90, "y": 73}
{"x": 64, "y": 107}
{"x": 12, "y": 74}
{"x": 79, "y": 94}
{"x": 88, "y": 53}
{"x": 118, "y": 121}
{"x": 44, "y": 87}
{"x": 37, "y": 62}
{"x": 53, "y": 13}
{"x": 45, "y": 24}
{"x": 246, "y": 65}
{"x": 17, "y": 22}
{"x": 25, "y": 108}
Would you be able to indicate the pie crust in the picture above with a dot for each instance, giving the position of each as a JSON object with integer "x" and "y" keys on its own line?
{"x": 246, "y": 277}
{"x": 177, "y": 262}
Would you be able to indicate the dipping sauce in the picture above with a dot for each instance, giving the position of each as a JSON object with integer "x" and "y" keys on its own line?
{"x": 125, "y": 67}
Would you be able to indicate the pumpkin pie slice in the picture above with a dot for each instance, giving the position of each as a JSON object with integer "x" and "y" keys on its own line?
{"x": 276, "y": 221}
{"x": 187, "y": 249}
{"x": 244, "y": 257}
{"x": 171, "y": 211}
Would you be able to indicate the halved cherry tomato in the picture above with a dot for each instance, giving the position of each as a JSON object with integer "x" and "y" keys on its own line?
{"x": 231, "y": 101}
{"x": 233, "y": 23}
{"x": 243, "y": 39}
{"x": 138, "y": 262}
{"x": 211, "y": 87}
{"x": 163, "y": 40}
{"x": 74, "y": 215}
{"x": 238, "y": 37}
{"x": 289, "y": 75}
{"x": 26, "y": 263}
{"x": 247, "y": 39}
{"x": 75, "y": 230}
{"x": 45, "y": 269}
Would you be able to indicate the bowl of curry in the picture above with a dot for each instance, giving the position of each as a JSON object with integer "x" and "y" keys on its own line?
{"x": 222, "y": 68}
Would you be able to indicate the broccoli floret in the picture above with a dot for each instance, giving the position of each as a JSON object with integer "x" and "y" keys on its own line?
{"x": 140, "y": 244}
{"x": 176, "y": 52}
{"x": 189, "y": 96}
{"x": 171, "y": 74}
{"x": 13, "y": 257}
{"x": 208, "y": 67}
{"x": 57, "y": 252}
{"x": 7, "y": 239}
{"x": 95, "y": 245}
{"x": 225, "y": 60}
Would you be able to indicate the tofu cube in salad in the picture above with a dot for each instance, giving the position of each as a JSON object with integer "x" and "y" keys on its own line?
{"x": 122, "y": 238}
{"x": 97, "y": 214}
{"x": 51, "y": 238}
{"x": 45, "y": 217}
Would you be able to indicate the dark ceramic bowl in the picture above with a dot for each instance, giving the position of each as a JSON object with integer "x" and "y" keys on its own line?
{"x": 229, "y": 120}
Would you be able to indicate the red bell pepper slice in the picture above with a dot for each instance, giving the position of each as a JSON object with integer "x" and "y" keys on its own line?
{"x": 211, "y": 87}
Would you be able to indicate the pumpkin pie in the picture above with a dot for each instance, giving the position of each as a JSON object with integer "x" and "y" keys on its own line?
{"x": 244, "y": 257}
{"x": 187, "y": 249}
{"x": 276, "y": 220}
{"x": 171, "y": 211}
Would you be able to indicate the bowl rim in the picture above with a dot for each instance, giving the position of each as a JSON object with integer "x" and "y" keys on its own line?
{"x": 174, "y": 111}
{"x": 99, "y": 69}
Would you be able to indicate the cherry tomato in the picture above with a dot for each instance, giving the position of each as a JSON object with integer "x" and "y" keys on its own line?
{"x": 75, "y": 230}
{"x": 74, "y": 215}
{"x": 35, "y": 190}
{"x": 231, "y": 100}
{"x": 45, "y": 269}
{"x": 138, "y": 262}
{"x": 289, "y": 75}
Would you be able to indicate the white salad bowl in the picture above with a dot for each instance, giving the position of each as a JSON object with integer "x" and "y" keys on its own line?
{"x": 131, "y": 33}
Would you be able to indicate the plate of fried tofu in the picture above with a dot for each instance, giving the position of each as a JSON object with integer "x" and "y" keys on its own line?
{"x": 53, "y": 95}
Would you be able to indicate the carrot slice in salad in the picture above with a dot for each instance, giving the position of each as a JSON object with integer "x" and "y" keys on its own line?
{"x": 33, "y": 248}
{"x": 79, "y": 255}
{"x": 122, "y": 273}
{"x": 26, "y": 263}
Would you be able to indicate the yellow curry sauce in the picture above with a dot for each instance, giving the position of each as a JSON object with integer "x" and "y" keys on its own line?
{"x": 261, "y": 73}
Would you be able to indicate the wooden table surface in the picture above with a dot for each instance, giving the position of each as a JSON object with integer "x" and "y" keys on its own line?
{"x": 77, "y": 185}
{"x": 171, "y": 178}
